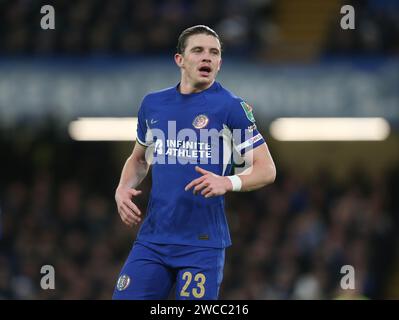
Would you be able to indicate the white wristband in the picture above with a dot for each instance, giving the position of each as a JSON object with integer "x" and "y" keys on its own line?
{"x": 236, "y": 182}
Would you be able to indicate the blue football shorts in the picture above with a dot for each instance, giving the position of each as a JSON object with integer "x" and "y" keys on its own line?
{"x": 152, "y": 270}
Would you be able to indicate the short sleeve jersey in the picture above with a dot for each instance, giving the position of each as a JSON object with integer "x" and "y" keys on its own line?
{"x": 182, "y": 131}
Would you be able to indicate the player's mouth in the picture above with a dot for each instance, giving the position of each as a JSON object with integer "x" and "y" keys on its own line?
{"x": 205, "y": 71}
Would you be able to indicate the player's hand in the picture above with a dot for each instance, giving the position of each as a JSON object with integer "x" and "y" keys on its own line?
{"x": 209, "y": 184}
{"x": 127, "y": 210}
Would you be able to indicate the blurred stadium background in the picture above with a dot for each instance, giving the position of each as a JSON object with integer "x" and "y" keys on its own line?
{"x": 334, "y": 203}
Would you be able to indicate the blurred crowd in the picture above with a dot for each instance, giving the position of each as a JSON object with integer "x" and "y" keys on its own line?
{"x": 290, "y": 240}
{"x": 376, "y": 30}
{"x": 293, "y": 239}
{"x": 123, "y": 27}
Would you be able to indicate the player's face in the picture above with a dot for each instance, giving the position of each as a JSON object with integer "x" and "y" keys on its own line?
{"x": 201, "y": 60}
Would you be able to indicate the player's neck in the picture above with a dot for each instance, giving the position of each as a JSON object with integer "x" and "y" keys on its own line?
{"x": 186, "y": 87}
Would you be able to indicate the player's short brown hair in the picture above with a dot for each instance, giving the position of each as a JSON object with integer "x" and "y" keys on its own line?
{"x": 199, "y": 29}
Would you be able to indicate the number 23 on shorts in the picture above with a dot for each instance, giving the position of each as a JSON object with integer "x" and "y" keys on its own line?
{"x": 198, "y": 289}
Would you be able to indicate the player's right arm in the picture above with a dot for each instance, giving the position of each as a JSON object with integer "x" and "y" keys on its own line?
{"x": 133, "y": 172}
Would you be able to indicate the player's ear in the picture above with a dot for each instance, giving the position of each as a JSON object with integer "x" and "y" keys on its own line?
{"x": 179, "y": 59}
{"x": 220, "y": 64}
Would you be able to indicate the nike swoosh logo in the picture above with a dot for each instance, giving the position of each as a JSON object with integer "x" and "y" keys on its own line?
{"x": 153, "y": 121}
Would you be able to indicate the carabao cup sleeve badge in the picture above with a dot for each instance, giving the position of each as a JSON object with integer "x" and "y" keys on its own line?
{"x": 248, "y": 111}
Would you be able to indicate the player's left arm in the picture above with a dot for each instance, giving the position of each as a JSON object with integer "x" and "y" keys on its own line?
{"x": 260, "y": 173}
{"x": 262, "y": 170}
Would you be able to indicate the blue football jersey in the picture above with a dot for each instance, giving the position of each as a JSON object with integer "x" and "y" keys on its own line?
{"x": 182, "y": 131}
